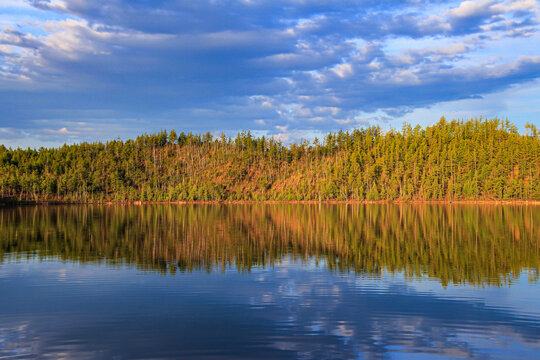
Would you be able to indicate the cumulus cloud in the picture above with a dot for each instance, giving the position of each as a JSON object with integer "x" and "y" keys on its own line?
{"x": 270, "y": 65}
{"x": 480, "y": 8}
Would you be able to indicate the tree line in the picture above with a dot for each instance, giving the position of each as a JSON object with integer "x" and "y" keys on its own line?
{"x": 477, "y": 159}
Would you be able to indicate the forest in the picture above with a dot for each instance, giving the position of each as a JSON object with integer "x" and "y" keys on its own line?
{"x": 476, "y": 159}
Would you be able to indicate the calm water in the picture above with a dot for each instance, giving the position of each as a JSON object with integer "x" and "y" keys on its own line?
{"x": 270, "y": 281}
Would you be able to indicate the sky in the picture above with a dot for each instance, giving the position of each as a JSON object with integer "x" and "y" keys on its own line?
{"x": 89, "y": 70}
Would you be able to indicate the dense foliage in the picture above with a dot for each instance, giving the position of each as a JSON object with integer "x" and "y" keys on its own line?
{"x": 453, "y": 243}
{"x": 475, "y": 159}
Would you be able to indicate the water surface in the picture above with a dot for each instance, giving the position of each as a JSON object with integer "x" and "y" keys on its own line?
{"x": 271, "y": 281}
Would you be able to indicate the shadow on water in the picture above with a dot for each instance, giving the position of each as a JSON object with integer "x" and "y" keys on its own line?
{"x": 478, "y": 245}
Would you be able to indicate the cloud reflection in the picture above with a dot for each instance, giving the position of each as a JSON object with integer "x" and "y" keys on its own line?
{"x": 285, "y": 312}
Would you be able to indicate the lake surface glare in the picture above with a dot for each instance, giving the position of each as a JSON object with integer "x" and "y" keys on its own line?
{"x": 275, "y": 281}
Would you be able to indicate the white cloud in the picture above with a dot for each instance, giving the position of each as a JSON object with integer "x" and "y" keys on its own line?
{"x": 482, "y": 8}
{"x": 15, "y": 4}
{"x": 62, "y": 131}
{"x": 472, "y": 8}
{"x": 343, "y": 70}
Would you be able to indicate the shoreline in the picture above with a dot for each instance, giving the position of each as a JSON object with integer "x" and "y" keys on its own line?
{"x": 277, "y": 202}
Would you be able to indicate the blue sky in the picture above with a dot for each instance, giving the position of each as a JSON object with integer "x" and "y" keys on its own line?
{"x": 81, "y": 70}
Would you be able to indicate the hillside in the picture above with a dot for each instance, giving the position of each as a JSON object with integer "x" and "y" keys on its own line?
{"x": 468, "y": 160}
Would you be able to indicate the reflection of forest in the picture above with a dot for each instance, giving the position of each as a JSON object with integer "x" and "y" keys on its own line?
{"x": 465, "y": 243}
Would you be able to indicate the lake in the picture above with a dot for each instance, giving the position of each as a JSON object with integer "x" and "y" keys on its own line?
{"x": 276, "y": 281}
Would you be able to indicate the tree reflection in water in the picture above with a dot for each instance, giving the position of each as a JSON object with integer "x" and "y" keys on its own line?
{"x": 474, "y": 244}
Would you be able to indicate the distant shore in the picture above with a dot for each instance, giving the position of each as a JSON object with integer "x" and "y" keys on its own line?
{"x": 473, "y": 159}
{"x": 270, "y": 202}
